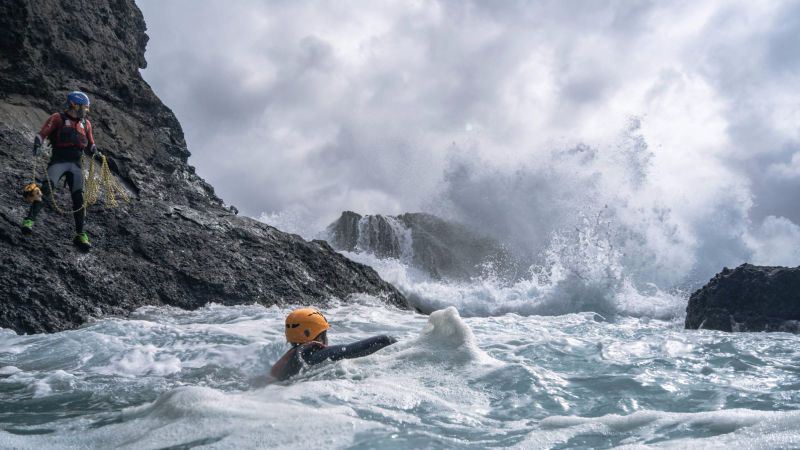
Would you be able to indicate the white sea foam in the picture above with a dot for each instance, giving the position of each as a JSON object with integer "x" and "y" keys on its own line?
{"x": 735, "y": 427}
{"x": 574, "y": 380}
{"x": 144, "y": 360}
{"x": 556, "y": 291}
{"x": 8, "y": 370}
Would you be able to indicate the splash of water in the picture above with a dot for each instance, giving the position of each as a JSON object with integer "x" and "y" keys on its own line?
{"x": 572, "y": 380}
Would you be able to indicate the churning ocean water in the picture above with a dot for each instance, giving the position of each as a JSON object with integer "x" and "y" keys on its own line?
{"x": 496, "y": 365}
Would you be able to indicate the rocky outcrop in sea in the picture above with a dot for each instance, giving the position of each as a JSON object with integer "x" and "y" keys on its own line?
{"x": 176, "y": 243}
{"x": 748, "y": 298}
{"x": 443, "y": 249}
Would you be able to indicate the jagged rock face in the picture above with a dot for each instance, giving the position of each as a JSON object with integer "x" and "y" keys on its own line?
{"x": 343, "y": 234}
{"x": 440, "y": 248}
{"x": 379, "y": 235}
{"x": 748, "y": 298}
{"x": 176, "y": 243}
{"x": 52, "y": 47}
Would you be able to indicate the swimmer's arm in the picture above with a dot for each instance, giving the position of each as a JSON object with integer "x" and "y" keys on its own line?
{"x": 354, "y": 350}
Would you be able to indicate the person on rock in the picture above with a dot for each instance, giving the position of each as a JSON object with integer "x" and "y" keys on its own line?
{"x": 70, "y": 135}
{"x": 307, "y": 331}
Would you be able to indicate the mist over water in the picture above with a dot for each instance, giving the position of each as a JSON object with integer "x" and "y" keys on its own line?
{"x": 591, "y": 228}
{"x": 584, "y": 207}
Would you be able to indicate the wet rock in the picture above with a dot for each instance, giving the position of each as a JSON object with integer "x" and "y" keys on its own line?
{"x": 748, "y": 298}
{"x": 443, "y": 249}
{"x": 176, "y": 243}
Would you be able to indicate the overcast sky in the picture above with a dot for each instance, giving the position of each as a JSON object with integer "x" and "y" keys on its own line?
{"x": 297, "y": 110}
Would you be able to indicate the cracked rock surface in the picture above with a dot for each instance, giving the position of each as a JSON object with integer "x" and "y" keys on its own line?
{"x": 176, "y": 243}
{"x": 748, "y": 298}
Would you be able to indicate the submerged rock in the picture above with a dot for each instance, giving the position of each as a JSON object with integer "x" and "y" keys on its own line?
{"x": 442, "y": 249}
{"x": 748, "y": 298}
{"x": 177, "y": 243}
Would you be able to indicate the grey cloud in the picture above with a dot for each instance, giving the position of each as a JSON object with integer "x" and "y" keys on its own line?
{"x": 773, "y": 195}
{"x": 783, "y": 50}
{"x": 747, "y": 69}
{"x": 330, "y": 107}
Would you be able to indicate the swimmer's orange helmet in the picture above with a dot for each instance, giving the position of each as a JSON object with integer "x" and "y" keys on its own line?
{"x": 303, "y": 325}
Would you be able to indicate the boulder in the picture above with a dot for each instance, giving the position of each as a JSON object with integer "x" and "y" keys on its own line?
{"x": 748, "y": 298}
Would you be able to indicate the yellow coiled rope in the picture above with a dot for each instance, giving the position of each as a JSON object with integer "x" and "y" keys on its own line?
{"x": 91, "y": 186}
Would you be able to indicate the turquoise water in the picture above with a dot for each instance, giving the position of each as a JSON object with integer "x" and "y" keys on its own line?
{"x": 167, "y": 378}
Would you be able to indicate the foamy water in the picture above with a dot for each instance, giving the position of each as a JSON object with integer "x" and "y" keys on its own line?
{"x": 553, "y": 291}
{"x": 171, "y": 378}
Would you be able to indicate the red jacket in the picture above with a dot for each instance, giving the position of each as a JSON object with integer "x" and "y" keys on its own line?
{"x": 68, "y": 136}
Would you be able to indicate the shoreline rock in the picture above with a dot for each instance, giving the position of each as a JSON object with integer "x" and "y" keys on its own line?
{"x": 748, "y": 298}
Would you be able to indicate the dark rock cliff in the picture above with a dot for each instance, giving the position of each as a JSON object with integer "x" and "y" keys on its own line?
{"x": 443, "y": 249}
{"x": 748, "y": 298}
{"x": 176, "y": 243}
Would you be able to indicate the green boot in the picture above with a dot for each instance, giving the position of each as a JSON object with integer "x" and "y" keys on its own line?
{"x": 82, "y": 241}
{"x": 27, "y": 226}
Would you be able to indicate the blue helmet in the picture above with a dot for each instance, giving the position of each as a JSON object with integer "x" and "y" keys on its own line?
{"x": 77, "y": 98}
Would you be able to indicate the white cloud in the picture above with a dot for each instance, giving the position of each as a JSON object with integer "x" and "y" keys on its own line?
{"x": 776, "y": 242}
{"x": 787, "y": 170}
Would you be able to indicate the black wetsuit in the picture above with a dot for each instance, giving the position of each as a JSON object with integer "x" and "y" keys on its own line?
{"x": 312, "y": 353}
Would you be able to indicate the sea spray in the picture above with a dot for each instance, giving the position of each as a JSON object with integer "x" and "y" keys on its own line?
{"x": 616, "y": 195}
{"x": 546, "y": 291}
{"x": 594, "y": 260}
{"x": 447, "y": 338}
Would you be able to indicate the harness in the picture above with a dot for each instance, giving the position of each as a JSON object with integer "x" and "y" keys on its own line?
{"x": 69, "y": 139}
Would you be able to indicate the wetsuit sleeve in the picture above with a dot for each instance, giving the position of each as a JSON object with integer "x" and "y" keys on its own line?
{"x": 89, "y": 150}
{"x": 287, "y": 366}
{"x": 355, "y": 350}
{"x": 53, "y": 122}
{"x": 89, "y": 135}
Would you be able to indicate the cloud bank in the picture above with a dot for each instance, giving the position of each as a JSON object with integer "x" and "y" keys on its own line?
{"x": 483, "y": 111}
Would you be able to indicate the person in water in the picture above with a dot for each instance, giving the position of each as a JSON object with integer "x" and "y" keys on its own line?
{"x": 307, "y": 331}
{"x": 70, "y": 135}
